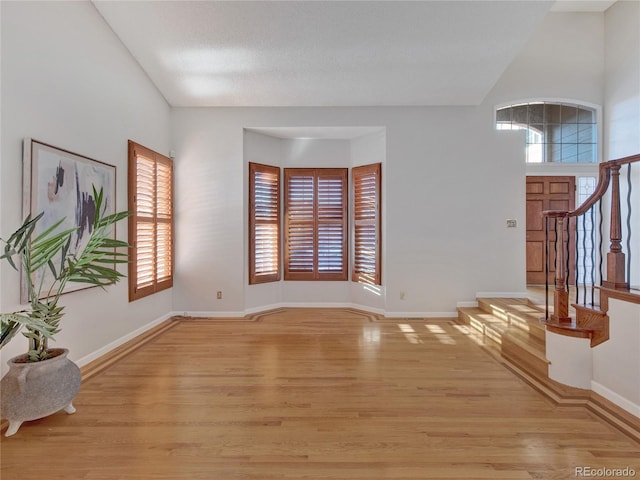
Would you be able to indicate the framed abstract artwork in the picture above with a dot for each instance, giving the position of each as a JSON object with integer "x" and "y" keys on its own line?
{"x": 60, "y": 183}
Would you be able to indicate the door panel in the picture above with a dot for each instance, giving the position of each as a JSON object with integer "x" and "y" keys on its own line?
{"x": 535, "y": 187}
{"x": 558, "y": 187}
{"x": 535, "y": 257}
{"x": 534, "y": 215}
{"x": 546, "y": 193}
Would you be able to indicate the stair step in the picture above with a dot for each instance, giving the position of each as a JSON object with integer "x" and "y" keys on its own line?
{"x": 570, "y": 328}
{"x": 517, "y": 312}
{"x": 496, "y": 328}
{"x": 531, "y": 359}
{"x": 514, "y": 330}
{"x": 590, "y": 322}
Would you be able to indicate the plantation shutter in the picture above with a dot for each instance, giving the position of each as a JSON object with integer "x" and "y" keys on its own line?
{"x": 367, "y": 224}
{"x": 151, "y": 222}
{"x": 332, "y": 224}
{"x": 299, "y": 224}
{"x": 315, "y": 224}
{"x": 264, "y": 223}
{"x": 145, "y": 241}
{"x": 164, "y": 220}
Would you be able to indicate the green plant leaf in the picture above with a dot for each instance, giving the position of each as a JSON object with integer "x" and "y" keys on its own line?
{"x": 46, "y": 249}
{"x": 94, "y": 264}
{"x": 113, "y": 218}
{"x": 8, "y": 255}
{"x": 11, "y": 323}
{"x": 47, "y": 232}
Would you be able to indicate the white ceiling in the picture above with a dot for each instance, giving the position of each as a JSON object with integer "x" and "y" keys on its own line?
{"x": 593, "y": 6}
{"x": 334, "y": 133}
{"x": 323, "y": 53}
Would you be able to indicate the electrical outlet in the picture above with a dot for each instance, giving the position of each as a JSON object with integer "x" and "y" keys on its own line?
{"x": 219, "y": 295}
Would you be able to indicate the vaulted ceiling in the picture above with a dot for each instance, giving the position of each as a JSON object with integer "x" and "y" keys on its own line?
{"x": 324, "y": 53}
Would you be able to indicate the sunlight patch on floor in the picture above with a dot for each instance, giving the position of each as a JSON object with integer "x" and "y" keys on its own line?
{"x": 440, "y": 333}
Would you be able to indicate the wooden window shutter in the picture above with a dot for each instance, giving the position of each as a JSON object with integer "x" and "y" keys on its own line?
{"x": 332, "y": 224}
{"x": 299, "y": 232}
{"x": 164, "y": 221}
{"x": 315, "y": 224}
{"x": 367, "y": 224}
{"x": 151, "y": 222}
{"x": 264, "y": 223}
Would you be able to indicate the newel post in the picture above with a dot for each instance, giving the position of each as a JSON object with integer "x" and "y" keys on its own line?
{"x": 561, "y": 295}
{"x": 616, "y": 277}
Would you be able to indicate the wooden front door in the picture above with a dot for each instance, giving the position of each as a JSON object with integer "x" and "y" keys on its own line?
{"x": 547, "y": 193}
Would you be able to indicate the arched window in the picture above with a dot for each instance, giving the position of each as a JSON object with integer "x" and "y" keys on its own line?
{"x": 556, "y": 132}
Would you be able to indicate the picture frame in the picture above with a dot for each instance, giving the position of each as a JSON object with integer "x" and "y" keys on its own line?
{"x": 60, "y": 183}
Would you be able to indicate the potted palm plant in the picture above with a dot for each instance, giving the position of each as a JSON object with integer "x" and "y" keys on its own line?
{"x": 43, "y": 380}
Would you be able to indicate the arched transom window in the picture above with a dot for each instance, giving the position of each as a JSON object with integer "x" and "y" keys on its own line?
{"x": 555, "y": 132}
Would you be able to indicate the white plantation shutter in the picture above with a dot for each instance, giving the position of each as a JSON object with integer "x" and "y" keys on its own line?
{"x": 264, "y": 223}
{"x": 151, "y": 222}
{"x": 315, "y": 224}
{"x": 367, "y": 224}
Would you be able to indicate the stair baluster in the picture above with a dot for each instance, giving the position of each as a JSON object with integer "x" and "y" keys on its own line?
{"x": 618, "y": 266}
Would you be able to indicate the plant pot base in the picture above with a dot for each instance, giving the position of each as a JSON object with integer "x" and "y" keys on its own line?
{"x": 35, "y": 390}
{"x": 14, "y": 425}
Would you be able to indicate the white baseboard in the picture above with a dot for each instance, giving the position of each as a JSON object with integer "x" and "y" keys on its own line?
{"x": 120, "y": 341}
{"x": 273, "y": 306}
{"x": 211, "y": 314}
{"x": 421, "y": 314}
{"x": 366, "y": 308}
{"x": 473, "y": 304}
{"x": 251, "y": 311}
{"x": 378, "y": 311}
{"x": 613, "y": 397}
{"x": 502, "y": 295}
{"x": 315, "y": 305}
{"x": 264, "y": 308}
{"x": 356, "y": 306}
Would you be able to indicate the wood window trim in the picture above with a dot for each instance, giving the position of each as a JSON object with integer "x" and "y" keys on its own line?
{"x": 367, "y": 217}
{"x": 315, "y": 223}
{"x": 159, "y": 217}
{"x": 255, "y": 275}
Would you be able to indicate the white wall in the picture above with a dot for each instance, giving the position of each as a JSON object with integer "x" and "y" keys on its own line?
{"x": 366, "y": 150}
{"x": 616, "y": 363}
{"x": 571, "y": 360}
{"x": 563, "y": 59}
{"x": 68, "y": 81}
{"x": 447, "y": 174}
{"x": 622, "y": 88}
{"x": 265, "y": 149}
{"x": 450, "y": 180}
{"x": 308, "y": 153}
{"x": 1, "y": 117}
{"x": 312, "y": 152}
{"x": 622, "y": 100}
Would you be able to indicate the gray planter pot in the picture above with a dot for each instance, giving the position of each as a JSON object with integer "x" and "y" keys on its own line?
{"x": 35, "y": 390}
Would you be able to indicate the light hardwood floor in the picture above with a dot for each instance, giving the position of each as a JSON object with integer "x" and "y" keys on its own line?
{"x": 313, "y": 394}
